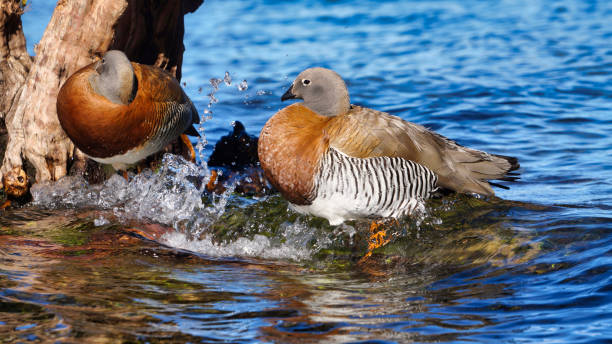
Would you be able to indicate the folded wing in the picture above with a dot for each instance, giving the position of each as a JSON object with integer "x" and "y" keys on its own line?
{"x": 364, "y": 132}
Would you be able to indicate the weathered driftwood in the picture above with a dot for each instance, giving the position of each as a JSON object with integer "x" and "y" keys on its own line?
{"x": 15, "y": 64}
{"x": 79, "y": 32}
{"x": 14, "y": 59}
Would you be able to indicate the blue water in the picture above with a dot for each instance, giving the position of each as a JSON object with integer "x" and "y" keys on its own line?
{"x": 530, "y": 79}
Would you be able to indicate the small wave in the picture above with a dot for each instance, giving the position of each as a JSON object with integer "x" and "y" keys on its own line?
{"x": 259, "y": 246}
{"x": 175, "y": 196}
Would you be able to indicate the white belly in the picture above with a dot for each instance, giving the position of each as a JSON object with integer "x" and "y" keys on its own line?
{"x": 122, "y": 161}
{"x": 340, "y": 208}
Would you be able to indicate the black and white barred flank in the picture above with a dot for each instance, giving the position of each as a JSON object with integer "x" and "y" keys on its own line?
{"x": 351, "y": 188}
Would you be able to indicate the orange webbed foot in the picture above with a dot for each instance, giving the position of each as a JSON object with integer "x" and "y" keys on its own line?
{"x": 210, "y": 186}
{"x": 377, "y": 239}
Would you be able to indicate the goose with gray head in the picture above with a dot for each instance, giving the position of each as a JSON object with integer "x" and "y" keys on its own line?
{"x": 340, "y": 161}
{"x": 119, "y": 112}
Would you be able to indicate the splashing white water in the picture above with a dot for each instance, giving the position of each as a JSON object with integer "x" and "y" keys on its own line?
{"x": 297, "y": 242}
{"x": 259, "y": 246}
{"x": 173, "y": 196}
{"x": 227, "y": 79}
{"x": 243, "y": 86}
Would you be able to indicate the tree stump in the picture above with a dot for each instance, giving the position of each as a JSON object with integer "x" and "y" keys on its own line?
{"x": 79, "y": 32}
{"x": 15, "y": 65}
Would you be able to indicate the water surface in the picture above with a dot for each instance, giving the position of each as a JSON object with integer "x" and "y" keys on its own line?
{"x": 531, "y": 79}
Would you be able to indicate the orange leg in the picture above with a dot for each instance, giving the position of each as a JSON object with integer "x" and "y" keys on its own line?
{"x": 211, "y": 183}
{"x": 192, "y": 154}
{"x": 6, "y": 204}
{"x": 125, "y": 175}
{"x": 376, "y": 240}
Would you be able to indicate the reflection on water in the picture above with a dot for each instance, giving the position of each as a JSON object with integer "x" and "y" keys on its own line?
{"x": 114, "y": 287}
{"x": 270, "y": 276}
{"x": 157, "y": 260}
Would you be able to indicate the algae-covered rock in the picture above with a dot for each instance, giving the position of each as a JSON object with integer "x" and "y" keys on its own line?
{"x": 456, "y": 230}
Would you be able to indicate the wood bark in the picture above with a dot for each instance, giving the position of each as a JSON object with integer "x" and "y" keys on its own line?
{"x": 79, "y": 32}
{"x": 14, "y": 59}
{"x": 15, "y": 64}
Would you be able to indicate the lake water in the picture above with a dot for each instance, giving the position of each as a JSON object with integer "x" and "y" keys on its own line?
{"x": 531, "y": 79}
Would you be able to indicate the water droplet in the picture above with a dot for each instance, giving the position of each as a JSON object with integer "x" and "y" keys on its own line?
{"x": 227, "y": 79}
{"x": 243, "y": 86}
{"x": 214, "y": 82}
{"x": 212, "y": 98}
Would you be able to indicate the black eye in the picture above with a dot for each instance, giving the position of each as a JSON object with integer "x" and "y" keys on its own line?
{"x": 305, "y": 82}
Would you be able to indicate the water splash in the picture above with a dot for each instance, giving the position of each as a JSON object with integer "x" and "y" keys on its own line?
{"x": 215, "y": 83}
{"x": 175, "y": 196}
{"x": 259, "y": 246}
{"x": 170, "y": 196}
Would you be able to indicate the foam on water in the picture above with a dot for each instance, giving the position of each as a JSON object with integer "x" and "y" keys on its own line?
{"x": 170, "y": 196}
{"x": 296, "y": 241}
{"x": 259, "y": 246}
{"x": 175, "y": 195}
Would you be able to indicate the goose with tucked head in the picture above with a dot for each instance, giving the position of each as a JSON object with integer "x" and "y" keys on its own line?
{"x": 119, "y": 112}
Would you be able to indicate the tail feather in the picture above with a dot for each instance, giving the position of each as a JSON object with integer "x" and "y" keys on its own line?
{"x": 514, "y": 164}
{"x": 475, "y": 169}
{"x": 195, "y": 119}
{"x": 494, "y": 167}
{"x": 191, "y": 131}
{"x": 499, "y": 185}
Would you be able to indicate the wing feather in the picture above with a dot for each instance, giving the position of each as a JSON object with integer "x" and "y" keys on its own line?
{"x": 364, "y": 132}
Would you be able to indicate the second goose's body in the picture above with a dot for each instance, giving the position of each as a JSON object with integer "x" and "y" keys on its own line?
{"x": 340, "y": 162}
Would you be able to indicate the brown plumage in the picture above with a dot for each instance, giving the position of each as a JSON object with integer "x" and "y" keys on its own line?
{"x": 294, "y": 141}
{"x": 291, "y": 144}
{"x": 149, "y": 110}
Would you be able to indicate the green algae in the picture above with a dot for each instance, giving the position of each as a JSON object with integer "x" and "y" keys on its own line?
{"x": 456, "y": 229}
{"x": 76, "y": 233}
{"x": 266, "y": 217}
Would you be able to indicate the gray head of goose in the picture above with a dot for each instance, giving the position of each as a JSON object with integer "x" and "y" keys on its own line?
{"x": 322, "y": 90}
{"x": 115, "y": 78}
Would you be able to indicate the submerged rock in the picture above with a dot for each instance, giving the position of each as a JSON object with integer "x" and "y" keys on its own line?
{"x": 234, "y": 162}
{"x": 235, "y": 151}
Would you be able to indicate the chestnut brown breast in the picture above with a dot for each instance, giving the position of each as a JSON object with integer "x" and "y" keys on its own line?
{"x": 101, "y": 128}
{"x": 291, "y": 145}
